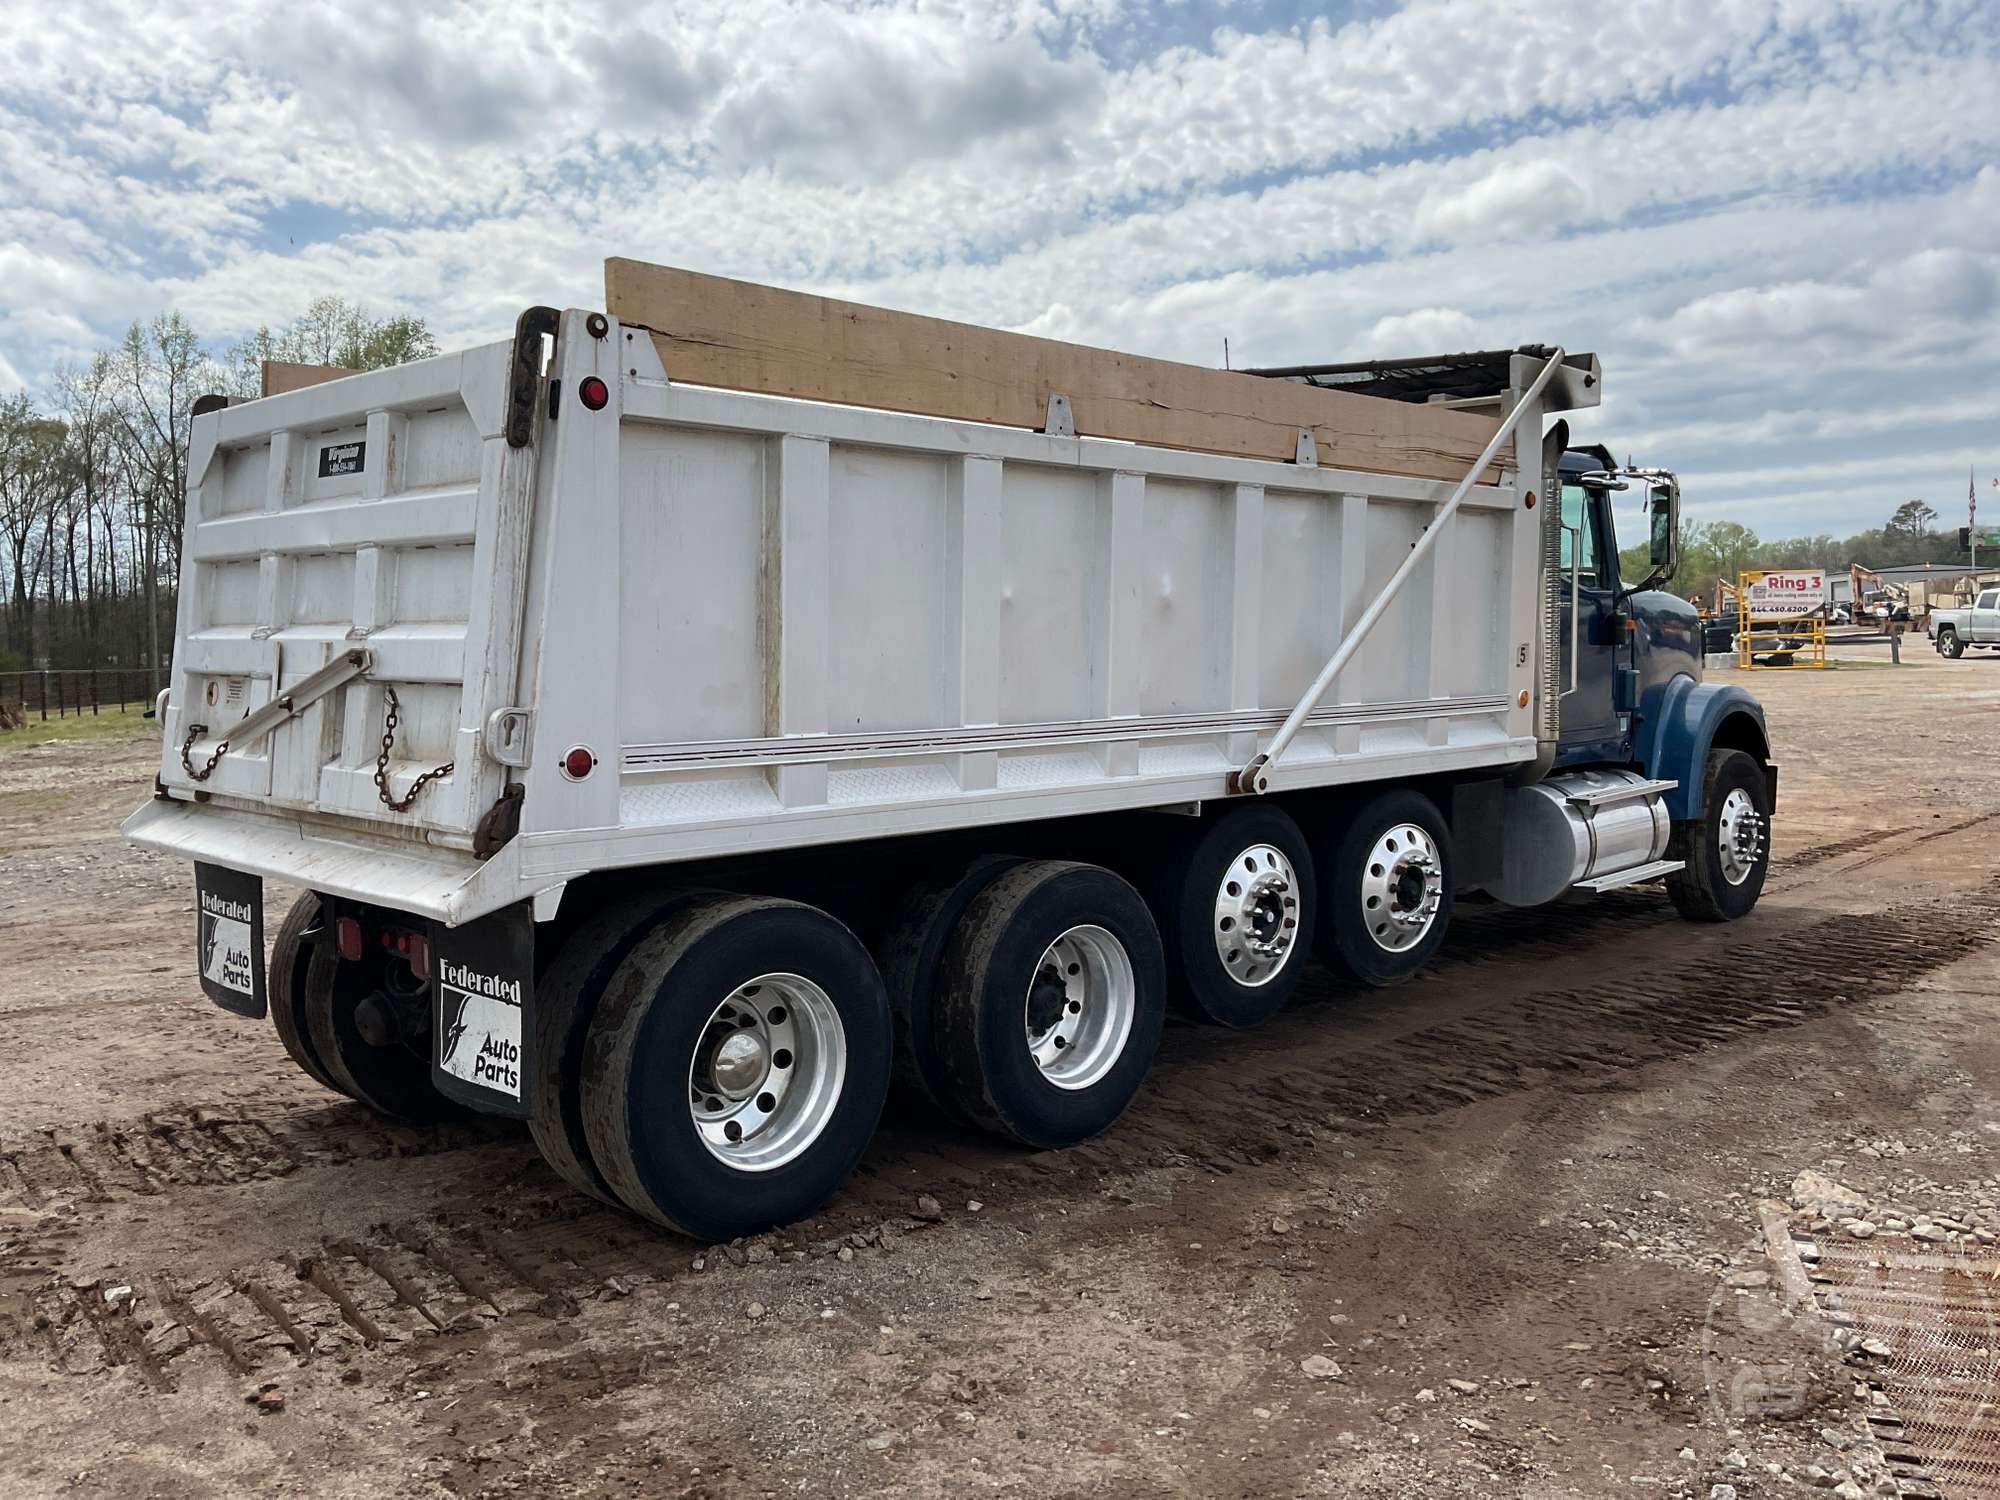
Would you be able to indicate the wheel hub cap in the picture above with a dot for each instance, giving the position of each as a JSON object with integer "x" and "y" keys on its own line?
{"x": 1402, "y": 886}
{"x": 1256, "y": 915}
{"x": 739, "y": 1062}
{"x": 1080, "y": 1007}
{"x": 1740, "y": 836}
{"x": 767, "y": 1072}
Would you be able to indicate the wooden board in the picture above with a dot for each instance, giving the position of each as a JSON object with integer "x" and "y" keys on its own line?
{"x": 281, "y": 376}
{"x": 737, "y": 334}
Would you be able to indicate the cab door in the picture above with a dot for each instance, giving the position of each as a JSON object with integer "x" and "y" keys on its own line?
{"x": 1984, "y": 624}
{"x": 1589, "y": 666}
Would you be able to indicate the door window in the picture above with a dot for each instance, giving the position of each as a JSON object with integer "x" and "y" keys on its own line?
{"x": 1989, "y": 600}
{"x": 1577, "y": 512}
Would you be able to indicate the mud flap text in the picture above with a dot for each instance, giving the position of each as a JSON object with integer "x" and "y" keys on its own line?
{"x": 229, "y": 938}
{"x": 484, "y": 975}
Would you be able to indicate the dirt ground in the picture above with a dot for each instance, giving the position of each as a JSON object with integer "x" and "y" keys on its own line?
{"x": 1497, "y": 1232}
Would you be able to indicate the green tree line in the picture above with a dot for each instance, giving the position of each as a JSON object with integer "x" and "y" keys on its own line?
{"x": 1712, "y": 550}
{"x": 93, "y": 476}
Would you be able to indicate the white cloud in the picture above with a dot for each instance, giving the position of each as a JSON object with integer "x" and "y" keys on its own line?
{"x": 1516, "y": 200}
{"x": 1428, "y": 330}
{"x": 1934, "y": 301}
{"x": 1746, "y": 206}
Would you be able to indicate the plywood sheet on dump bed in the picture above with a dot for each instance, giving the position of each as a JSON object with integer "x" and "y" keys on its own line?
{"x": 280, "y": 376}
{"x": 711, "y": 330}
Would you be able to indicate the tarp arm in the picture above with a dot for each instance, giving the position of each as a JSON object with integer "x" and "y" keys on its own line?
{"x": 1251, "y": 777}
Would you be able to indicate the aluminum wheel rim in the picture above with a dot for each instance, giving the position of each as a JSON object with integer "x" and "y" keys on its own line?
{"x": 1256, "y": 921}
{"x": 767, "y": 1072}
{"x": 1402, "y": 886}
{"x": 1739, "y": 836}
{"x": 1080, "y": 1006}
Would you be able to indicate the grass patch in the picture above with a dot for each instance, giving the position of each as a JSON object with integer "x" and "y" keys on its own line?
{"x": 109, "y": 725}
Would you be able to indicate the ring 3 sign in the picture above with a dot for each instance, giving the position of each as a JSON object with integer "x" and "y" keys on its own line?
{"x": 1784, "y": 593}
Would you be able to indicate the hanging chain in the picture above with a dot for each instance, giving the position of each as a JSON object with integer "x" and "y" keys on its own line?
{"x": 382, "y": 760}
{"x": 195, "y": 732}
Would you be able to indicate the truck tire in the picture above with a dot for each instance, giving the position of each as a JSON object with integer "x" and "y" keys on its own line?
{"x": 736, "y": 1067}
{"x": 1051, "y": 1000}
{"x": 910, "y": 957}
{"x": 1233, "y": 897}
{"x": 392, "y": 1078}
{"x": 566, "y": 997}
{"x": 1385, "y": 896}
{"x": 1727, "y": 850}
{"x": 291, "y": 956}
{"x": 1950, "y": 644}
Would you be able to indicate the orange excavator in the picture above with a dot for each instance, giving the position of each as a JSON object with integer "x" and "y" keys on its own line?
{"x": 1876, "y": 600}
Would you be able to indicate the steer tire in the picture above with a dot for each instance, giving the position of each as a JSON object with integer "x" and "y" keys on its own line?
{"x": 1355, "y": 938}
{"x": 997, "y": 973}
{"x": 291, "y": 958}
{"x": 713, "y": 968}
{"x": 566, "y": 997}
{"x": 1198, "y": 880}
{"x": 1950, "y": 644}
{"x": 910, "y": 957}
{"x": 394, "y": 1080}
{"x": 1701, "y": 890}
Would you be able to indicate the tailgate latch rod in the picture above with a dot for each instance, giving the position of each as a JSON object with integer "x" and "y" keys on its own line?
{"x": 259, "y": 722}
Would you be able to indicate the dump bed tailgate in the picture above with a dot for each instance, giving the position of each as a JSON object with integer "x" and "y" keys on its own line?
{"x": 386, "y": 513}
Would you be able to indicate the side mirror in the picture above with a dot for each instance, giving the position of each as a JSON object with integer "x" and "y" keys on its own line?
{"x": 1663, "y": 514}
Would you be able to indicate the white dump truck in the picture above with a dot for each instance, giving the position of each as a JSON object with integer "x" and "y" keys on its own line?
{"x": 688, "y": 718}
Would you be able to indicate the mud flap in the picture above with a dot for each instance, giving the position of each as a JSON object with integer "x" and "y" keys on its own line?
{"x": 484, "y": 985}
{"x": 229, "y": 939}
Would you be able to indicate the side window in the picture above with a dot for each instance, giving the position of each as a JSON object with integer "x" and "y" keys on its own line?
{"x": 1989, "y": 600}
{"x": 1576, "y": 513}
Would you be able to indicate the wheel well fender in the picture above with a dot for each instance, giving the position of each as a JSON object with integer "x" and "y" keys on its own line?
{"x": 1681, "y": 720}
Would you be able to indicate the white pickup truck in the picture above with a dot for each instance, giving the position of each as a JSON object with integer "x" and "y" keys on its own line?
{"x": 683, "y": 718}
{"x": 1955, "y": 631}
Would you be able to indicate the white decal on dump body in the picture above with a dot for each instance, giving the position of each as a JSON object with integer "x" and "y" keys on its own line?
{"x": 481, "y": 1038}
{"x": 226, "y": 956}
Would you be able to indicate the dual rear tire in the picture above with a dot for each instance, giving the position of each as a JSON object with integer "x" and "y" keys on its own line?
{"x": 736, "y": 1066}
{"x": 724, "y": 1071}
{"x": 326, "y": 1015}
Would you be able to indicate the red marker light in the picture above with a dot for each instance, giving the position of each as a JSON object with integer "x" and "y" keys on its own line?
{"x": 347, "y": 939}
{"x": 593, "y": 393}
{"x": 578, "y": 763}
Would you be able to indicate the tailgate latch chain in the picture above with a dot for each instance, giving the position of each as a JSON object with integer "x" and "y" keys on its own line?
{"x": 382, "y": 761}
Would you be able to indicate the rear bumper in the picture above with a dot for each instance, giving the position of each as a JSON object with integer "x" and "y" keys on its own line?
{"x": 441, "y": 884}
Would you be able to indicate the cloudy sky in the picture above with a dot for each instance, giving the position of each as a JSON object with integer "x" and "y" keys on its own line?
{"x": 1778, "y": 221}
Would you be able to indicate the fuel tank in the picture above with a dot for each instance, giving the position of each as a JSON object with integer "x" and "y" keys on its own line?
{"x": 1579, "y": 826}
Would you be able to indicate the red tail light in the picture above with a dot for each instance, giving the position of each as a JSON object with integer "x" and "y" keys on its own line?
{"x": 416, "y": 949}
{"x": 578, "y": 763}
{"x": 593, "y": 393}
{"x": 347, "y": 939}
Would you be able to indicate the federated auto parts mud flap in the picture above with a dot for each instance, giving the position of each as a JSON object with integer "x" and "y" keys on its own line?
{"x": 482, "y": 988}
{"x": 229, "y": 939}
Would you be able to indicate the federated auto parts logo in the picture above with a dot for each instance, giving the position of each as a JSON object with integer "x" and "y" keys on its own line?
{"x": 1911, "y": 1314}
{"x": 454, "y": 1033}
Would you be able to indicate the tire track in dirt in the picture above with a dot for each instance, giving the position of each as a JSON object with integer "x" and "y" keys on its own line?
{"x": 543, "y": 1252}
{"x": 1878, "y": 844}
{"x": 200, "y": 1146}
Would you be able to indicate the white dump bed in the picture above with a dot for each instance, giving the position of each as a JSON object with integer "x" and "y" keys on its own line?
{"x": 774, "y": 622}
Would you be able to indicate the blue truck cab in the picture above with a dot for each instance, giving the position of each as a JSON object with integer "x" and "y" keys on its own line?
{"x": 1634, "y": 698}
